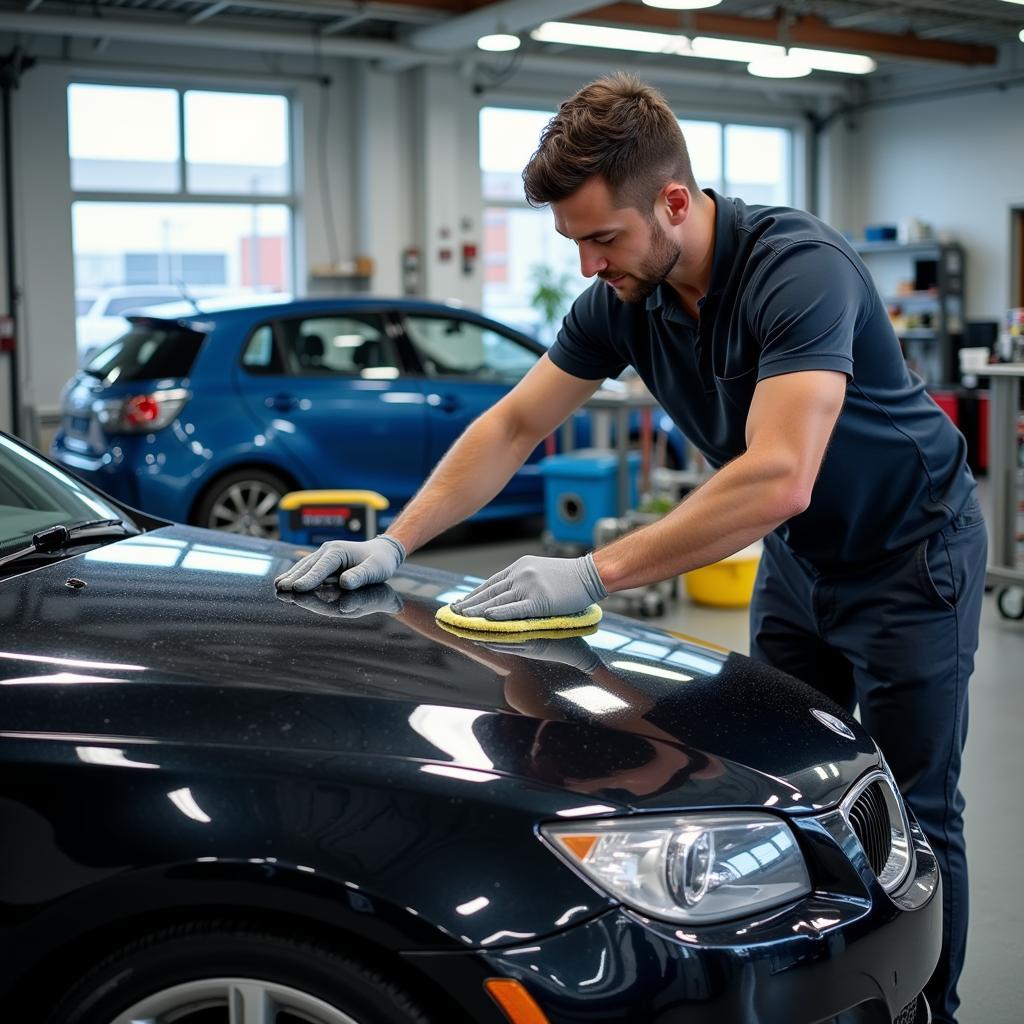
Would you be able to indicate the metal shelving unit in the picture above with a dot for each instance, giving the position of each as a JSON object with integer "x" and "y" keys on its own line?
{"x": 931, "y": 350}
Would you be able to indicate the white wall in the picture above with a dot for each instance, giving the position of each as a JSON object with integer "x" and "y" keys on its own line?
{"x": 956, "y": 162}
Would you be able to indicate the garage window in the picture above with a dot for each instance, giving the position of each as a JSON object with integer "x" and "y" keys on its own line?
{"x": 522, "y": 252}
{"x": 176, "y": 192}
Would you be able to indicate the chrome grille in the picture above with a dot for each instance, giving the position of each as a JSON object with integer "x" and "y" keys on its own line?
{"x": 874, "y": 811}
{"x": 869, "y": 818}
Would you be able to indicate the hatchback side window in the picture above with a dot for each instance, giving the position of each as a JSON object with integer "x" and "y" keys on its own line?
{"x": 261, "y": 355}
{"x": 354, "y": 345}
{"x": 452, "y": 347}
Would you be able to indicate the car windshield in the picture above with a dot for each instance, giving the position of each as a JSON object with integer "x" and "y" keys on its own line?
{"x": 149, "y": 351}
{"x": 35, "y": 495}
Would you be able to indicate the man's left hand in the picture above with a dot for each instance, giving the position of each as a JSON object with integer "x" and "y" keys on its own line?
{"x": 533, "y": 587}
{"x": 345, "y": 604}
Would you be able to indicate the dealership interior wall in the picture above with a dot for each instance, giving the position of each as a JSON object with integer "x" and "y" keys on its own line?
{"x": 387, "y": 160}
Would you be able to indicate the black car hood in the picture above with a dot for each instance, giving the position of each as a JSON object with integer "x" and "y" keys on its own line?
{"x": 178, "y": 636}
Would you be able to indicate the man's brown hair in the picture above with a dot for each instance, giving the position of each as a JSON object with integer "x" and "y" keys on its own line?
{"x": 618, "y": 128}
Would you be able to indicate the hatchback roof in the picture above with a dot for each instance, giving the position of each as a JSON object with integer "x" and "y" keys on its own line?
{"x": 215, "y": 308}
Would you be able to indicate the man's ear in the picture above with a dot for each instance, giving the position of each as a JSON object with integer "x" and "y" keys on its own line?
{"x": 677, "y": 200}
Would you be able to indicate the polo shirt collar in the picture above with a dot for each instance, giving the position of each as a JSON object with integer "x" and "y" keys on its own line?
{"x": 721, "y": 261}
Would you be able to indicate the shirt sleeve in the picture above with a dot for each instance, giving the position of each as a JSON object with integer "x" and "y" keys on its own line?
{"x": 809, "y": 303}
{"x": 584, "y": 347}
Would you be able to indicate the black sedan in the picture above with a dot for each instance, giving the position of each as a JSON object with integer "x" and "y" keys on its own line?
{"x": 221, "y": 805}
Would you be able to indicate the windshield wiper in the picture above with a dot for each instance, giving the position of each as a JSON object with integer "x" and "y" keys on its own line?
{"x": 55, "y": 538}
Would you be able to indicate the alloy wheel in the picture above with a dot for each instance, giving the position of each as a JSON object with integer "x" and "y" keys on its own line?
{"x": 232, "y": 1001}
{"x": 247, "y": 507}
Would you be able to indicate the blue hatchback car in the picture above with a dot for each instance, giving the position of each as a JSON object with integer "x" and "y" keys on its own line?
{"x": 208, "y": 415}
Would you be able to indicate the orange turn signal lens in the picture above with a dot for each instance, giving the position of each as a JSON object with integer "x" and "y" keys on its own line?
{"x": 519, "y": 1006}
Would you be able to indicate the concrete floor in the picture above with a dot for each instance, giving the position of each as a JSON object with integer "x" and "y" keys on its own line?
{"x": 992, "y": 985}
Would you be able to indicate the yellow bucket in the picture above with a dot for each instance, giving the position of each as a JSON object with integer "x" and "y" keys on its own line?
{"x": 728, "y": 583}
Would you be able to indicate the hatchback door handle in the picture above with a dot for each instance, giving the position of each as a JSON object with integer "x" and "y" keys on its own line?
{"x": 446, "y": 403}
{"x": 282, "y": 402}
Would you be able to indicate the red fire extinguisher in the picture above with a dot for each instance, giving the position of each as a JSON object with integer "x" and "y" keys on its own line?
{"x": 6, "y": 333}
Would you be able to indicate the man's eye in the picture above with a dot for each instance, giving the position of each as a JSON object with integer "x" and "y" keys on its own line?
{"x": 605, "y": 241}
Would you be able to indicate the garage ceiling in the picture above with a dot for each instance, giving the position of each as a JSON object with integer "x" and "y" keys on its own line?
{"x": 899, "y": 34}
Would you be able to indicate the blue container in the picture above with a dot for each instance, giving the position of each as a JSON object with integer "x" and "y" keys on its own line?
{"x": 581, "y": 487}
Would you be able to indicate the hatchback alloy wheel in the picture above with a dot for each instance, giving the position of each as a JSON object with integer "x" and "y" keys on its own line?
{"x": 243, "y": 502}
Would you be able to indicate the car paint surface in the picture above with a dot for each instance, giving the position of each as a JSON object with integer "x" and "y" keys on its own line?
{"x": 178, "y": 738}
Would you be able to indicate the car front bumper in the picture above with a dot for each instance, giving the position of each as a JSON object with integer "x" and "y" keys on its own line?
{"x": 827, "y": 958}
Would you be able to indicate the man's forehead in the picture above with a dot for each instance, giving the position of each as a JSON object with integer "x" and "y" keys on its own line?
{"x": 589, "y": 211}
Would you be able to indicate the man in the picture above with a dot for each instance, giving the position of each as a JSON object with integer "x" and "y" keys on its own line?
{"x": 760, "y": 332}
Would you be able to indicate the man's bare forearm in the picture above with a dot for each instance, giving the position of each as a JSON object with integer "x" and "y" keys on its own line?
{"x": 738, "y": 505}
{"x": 473, "y": 471}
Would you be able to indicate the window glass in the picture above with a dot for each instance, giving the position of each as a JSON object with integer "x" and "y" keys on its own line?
{"x": 455, "y": 347}
{"x": 147, "y": 352}
{"x": 522, "y": 253}
{"x": 350, "y": 345}
{"x": 236, "y": 143}
{"x": 508, "y": 139}
{"x": 757, "y": 164}
{"x": 134, "y": 254}
{"x": 123, "y": 139}
{"x": 260, "y": 355}
{"x": 704, "y": 144}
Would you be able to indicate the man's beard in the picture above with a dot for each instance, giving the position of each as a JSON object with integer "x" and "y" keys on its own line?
{"x": 657, "y": 265}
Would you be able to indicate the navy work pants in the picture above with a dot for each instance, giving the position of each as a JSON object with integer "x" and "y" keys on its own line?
{"x": 898, "y": 638}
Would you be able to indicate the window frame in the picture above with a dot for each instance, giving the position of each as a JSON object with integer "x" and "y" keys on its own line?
{"x": 290, "y": 199}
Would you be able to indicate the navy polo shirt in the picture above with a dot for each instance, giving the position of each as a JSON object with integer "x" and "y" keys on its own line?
{"x": 788, "y": 293}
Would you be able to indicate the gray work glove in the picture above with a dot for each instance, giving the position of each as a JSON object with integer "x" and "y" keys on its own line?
{"x": 535, "y": 587}
{"x": 336, "y": 603}
{"x": 359, "y": 562}
{"x": 572, "y": 652}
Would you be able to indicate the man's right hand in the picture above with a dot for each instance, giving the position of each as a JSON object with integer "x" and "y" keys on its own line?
{"x": 358, "y": 561}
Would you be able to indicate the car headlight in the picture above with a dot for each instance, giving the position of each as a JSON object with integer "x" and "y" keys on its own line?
{"x": 692, "y": 868}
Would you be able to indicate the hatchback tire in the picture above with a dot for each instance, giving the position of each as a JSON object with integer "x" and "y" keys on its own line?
{"x": 243, "y": 501}
{"x": 221, "y": 972}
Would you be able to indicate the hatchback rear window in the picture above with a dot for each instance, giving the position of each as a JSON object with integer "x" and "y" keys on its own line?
{"x": 148, "y": 351}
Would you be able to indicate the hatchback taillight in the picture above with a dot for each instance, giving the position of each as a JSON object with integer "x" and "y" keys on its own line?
{"x": 140, "y": 414}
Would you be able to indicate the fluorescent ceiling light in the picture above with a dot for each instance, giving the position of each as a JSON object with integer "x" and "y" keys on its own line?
{"x": 779, "y": 67}
{"x": 733, "y": 49}
{"x": 770, "y": 59}
{"x": 688, "y": 5}
{"x": 831, "y": 60}
{"x": 498, "y": 42}
{"x": 609, "y": 38}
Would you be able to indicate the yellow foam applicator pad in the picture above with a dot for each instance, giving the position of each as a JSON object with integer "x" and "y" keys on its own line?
{"x": 517, "y": 638}
{"x": 551, "y": 623}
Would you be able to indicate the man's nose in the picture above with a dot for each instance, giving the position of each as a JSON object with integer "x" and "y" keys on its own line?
{"x": 591, "y": 262}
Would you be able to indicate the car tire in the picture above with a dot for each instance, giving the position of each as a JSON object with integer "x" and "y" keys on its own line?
{"x": 243, "y": 501}
{"x": 188, "y": 972}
